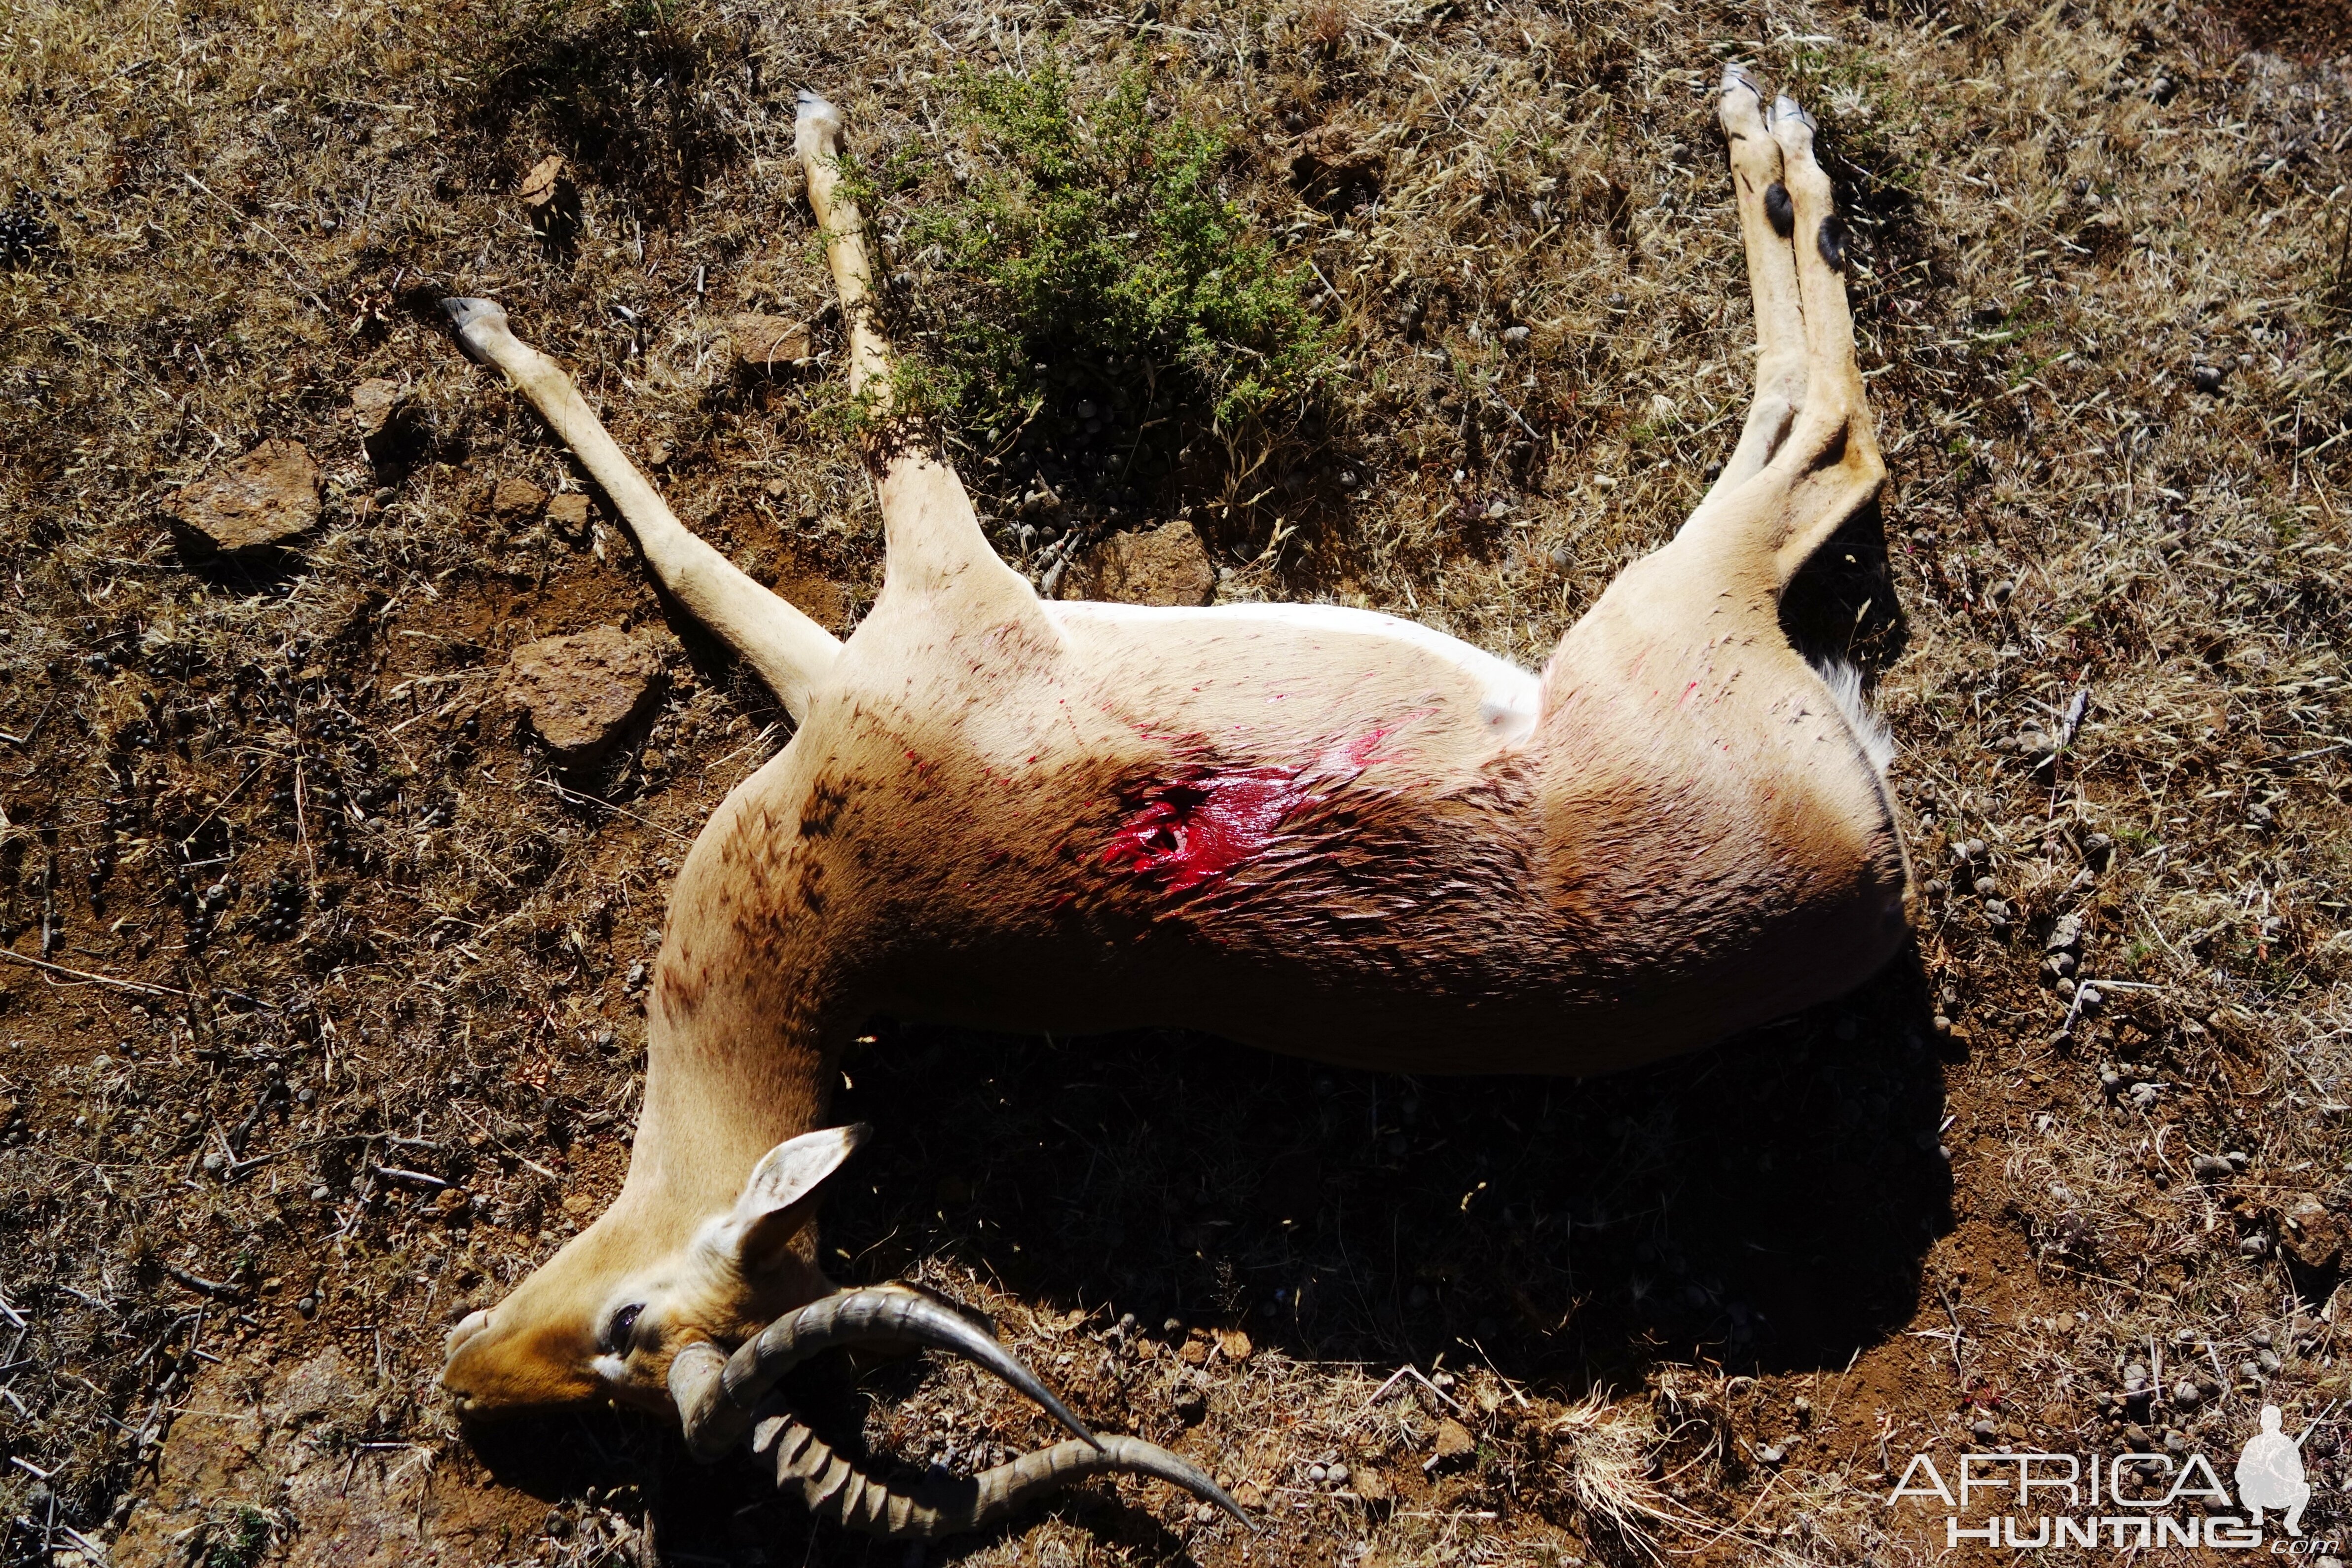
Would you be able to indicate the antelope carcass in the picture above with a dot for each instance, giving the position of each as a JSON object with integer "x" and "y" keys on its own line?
{"x": 1331, "y": 832}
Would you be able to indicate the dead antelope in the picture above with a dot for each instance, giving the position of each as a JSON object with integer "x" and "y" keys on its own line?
{"x": 1328, "y": 831}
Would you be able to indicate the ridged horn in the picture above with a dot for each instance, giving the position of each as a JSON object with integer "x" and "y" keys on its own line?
{"x": 716, "y": 1402}
{"x": 941, "y": 1505}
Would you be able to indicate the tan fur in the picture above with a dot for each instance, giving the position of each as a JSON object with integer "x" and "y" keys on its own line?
{"x": 994, "y": 815}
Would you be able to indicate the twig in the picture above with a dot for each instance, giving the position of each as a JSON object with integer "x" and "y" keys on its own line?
{"x": 578, "y": 796}
{"x": 303, "y": 822}
{"x": 253, "y": 1118}
{"x": 1409, "y": 1370}
{"x": 1953, "y": 1312}
{"x": 85, "y": 1542}
{"x": 504, "y": 1147}
{"x": 27, "y": 738}
{"x": 414, "y": 1178}
{"x": 136, "y": 988}
{"x": 199, "y": 1284}
{"x": 190, "y": 837}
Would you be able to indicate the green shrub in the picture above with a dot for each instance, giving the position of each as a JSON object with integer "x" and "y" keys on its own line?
{"x": 1093, "y": 239}
{"x": 236, "y": 1539}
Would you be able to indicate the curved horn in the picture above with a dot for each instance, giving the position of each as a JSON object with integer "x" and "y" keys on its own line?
{"x": 716, "y": 1402}
{"x": 941, "y": 1505}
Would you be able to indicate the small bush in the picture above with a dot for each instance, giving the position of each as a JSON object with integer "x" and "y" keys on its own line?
{"x": 1091, "y": 242}
{"x": 235, "y": 1538}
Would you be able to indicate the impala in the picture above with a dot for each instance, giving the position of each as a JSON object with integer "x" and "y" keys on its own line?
{"x": 1327, "y": 831}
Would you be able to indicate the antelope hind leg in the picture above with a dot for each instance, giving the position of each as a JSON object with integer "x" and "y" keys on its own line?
{"x": 1831, "y": 458}
{"x": 1807, "y": 459}
{"x": 1766, "y": 221}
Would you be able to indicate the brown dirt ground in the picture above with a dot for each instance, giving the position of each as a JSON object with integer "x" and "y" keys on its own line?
{"x": 222, "y": 1318}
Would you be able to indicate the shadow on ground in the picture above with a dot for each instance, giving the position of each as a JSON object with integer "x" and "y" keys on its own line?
{"x": 1765, "y": 1204}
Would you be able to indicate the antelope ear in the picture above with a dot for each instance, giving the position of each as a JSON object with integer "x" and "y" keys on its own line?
{"x": 780, "y": 1194}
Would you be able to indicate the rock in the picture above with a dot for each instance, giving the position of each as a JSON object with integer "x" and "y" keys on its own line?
{"x": 1371, "y": 1485}
{"x": 267, "y": 496}
{"x": 550, "y": 199}
{"x": 1165, "y": 565}
{"x": 2207, "y": 378}
{"x": 2211, "y": 1167}
{"x": 766, "y": 342}
{"x": 515, "y": 502}
{"x": 1234, "y": 1345}
{"x": 1337, "y": 162}
{"x": 582, "y": 691}
{"x": 2308, "y": 1234}
{"x": 545, "y": 186}
{"x": 568, "y": 511}
{"x": 322, "y": 1388}
{"x": 379, "y": 406}
{"x": 1454, "y": 1440}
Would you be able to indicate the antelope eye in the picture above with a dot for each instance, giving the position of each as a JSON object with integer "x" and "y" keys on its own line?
{"x": 618, "y": 1327}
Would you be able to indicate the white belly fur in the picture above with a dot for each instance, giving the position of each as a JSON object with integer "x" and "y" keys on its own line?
{"x": 1510, "y": 698}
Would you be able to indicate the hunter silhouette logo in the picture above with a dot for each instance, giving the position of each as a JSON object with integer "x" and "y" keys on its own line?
{"x": 2270, "y": 1472}
{"x": 2133, "y": 1501}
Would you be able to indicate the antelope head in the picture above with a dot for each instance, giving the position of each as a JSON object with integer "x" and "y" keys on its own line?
{"x": 614, "y": 1317}
{"x": 605, "y": 1316}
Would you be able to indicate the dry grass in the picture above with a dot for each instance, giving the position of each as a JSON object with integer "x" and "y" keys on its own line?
{"x": 1627, "y": 1286}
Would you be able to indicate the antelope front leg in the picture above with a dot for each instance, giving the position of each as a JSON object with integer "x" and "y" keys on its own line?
{"x": 816, "y": 141}
{"x": 932, "y": 538}
{"x": 791, "y": 652}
